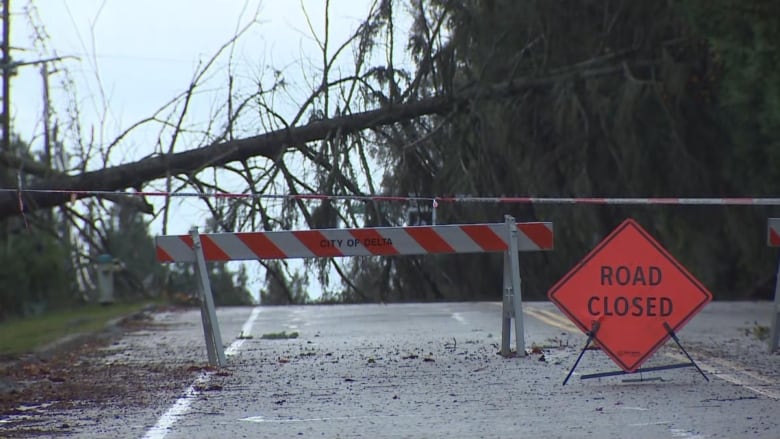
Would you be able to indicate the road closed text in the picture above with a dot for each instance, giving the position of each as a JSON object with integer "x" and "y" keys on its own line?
{"x": 366, "y": 242}
{"x": 636, "y": 306}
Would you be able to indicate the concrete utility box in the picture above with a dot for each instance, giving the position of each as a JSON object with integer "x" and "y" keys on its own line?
{"x": 105, "y": 279}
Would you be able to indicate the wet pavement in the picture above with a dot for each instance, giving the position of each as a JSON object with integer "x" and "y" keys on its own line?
{"x": 424, "y": 370}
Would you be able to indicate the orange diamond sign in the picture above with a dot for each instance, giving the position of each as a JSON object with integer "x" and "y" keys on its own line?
{"x": 631, "y": 286}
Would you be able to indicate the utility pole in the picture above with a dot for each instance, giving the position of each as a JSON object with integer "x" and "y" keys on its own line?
{"x": 46, "y": 116}
{"x": 6, "y": 148}
{"x": 9, "y": 69}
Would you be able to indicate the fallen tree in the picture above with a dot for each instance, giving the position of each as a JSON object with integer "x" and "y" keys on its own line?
{"x": 270, "y": 145}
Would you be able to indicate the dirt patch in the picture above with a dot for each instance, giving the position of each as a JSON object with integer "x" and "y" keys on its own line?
{"x": 78, "y": 376}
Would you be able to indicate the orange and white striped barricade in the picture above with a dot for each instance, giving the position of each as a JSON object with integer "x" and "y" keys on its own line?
{"x": 773, "y": 240}
{"x": 509, "y": 237}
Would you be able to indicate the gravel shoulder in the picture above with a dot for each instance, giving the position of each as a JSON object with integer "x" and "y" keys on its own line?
{"x": 58, "y": 390}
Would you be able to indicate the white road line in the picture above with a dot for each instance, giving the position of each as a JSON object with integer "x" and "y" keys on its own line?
{"x": 260, "y": 419}
{"x": 732, "y": 378}
{"x": 182, "y": 405}
{"x": 178, "y": 409}
{"x": 457, "y": 316}
{"x": 647, "y": 424}
{"x": 675, "y": 432}
{"x": 685, "y": 434}
{"x": 245, "y": 330}
{"x": 730, "y": 364}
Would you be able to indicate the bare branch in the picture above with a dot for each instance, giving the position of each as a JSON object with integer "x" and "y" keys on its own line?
{"x": 270, "y": 145}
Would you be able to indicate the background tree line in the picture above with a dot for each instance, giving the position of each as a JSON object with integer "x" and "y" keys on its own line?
{"x": 44, "y": 265}
{"x": 609, "y": 98}
{"x": 692, "y": 112}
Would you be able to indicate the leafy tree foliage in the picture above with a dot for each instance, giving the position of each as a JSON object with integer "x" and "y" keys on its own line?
{"x": 742, "y": 38}
{"x": 281, "y": 289}
{"x": 227, "y": 288}
{"x": 127, "y": 239}
{"x": 663, "y": 124}
{"x": 35, "y": 273}
{"x": 676, "y": 98}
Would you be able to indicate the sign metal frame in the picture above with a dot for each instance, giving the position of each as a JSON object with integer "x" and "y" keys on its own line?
{"x": 568, "y": 288}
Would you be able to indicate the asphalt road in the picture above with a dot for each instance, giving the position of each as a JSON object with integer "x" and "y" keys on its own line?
{"x": 432, "y": 370}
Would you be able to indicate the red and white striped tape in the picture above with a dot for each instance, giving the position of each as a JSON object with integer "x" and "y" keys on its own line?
{"x": 720, "y": 201}
{"x": 384, "y": 241}
{"x": 773, "y": 232}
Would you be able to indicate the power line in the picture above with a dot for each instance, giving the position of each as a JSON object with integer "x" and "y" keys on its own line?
{"x": 6, "y": 77}
{"x": 651, "y": 201}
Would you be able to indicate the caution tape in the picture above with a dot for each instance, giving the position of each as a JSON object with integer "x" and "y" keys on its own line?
{"x": 730, "y": 201}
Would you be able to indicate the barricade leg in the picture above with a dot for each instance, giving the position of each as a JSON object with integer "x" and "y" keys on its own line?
{"x": 214, "y": 348}
{"x": 514, "y": 275}
{"x": 506, "y": 309}
{"x": 512, "y": 302}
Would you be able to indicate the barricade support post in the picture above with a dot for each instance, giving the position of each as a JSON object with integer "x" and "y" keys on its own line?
{"x": 214, "y": 348}
{"x": 507, "y": 309}
{"x": 514, "y": 277}
{"x": 773, "y": 240}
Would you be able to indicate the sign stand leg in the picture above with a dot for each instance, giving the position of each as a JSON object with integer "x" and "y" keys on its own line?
{"x": 208, "y": 314}
{"x": 591, "y": 334}
{"x": 668, "y": 328}
{"x": 677, "y": 340}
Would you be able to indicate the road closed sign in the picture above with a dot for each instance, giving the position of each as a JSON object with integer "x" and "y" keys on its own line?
{"x": 629, "y": 288}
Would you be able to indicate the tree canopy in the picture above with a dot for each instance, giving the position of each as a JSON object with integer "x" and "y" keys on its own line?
{"x": 597, "y": 98}
{"x": 691, "y": 113}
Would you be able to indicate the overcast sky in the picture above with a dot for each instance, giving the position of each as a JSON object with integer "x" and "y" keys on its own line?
{"x": 145, "y": 51}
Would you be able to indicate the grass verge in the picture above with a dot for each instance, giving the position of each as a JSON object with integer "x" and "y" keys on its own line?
{"x": 19, "y": 336}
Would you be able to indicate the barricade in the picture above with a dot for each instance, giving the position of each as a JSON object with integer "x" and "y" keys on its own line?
{"x": 508, "y": 237}
{"x": 773, "y": 240}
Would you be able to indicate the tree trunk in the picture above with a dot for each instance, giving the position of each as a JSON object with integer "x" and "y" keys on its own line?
{"x": 269, "y": 145}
